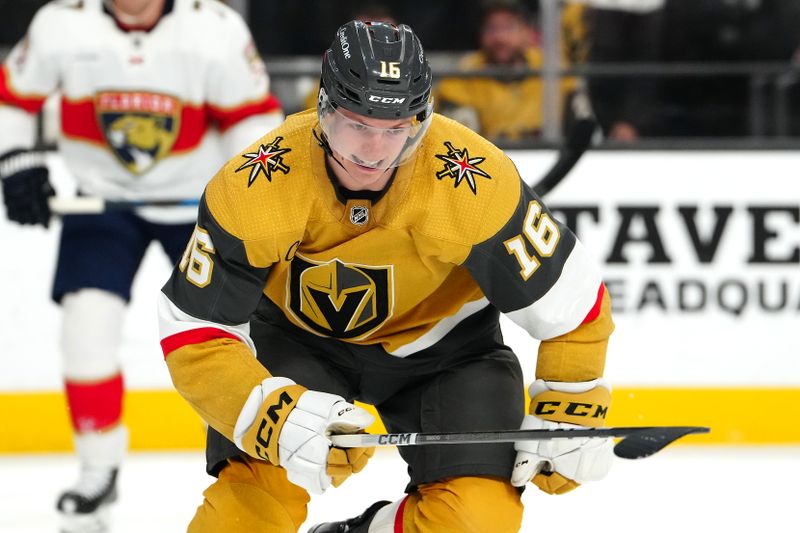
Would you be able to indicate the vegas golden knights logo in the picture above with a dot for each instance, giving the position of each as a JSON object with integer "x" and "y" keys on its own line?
{"x": 460, "y": 167}
{"x": 268, "y": 159}
{"x": 341, "y": 300}
{"x": 140, "y": 128}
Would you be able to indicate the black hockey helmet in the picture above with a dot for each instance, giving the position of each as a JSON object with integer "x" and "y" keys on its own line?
{"x": 378, "y": 70}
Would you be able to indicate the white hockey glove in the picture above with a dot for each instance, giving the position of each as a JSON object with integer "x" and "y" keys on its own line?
{"x": 288, "y": 425}
{"x": 557, "y": 466}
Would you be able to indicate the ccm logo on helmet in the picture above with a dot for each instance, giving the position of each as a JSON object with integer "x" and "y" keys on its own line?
{"x": 386, "y": 99}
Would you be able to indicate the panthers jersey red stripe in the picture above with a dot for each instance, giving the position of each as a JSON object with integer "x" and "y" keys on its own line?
{"x": 78, "y": 121}
{"x": 194, "y": 124}
{"x": 225, "y": 118}
{"x": 31, "y": 103}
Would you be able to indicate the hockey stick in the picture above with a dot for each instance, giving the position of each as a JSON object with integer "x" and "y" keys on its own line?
{"x": 85, "y": 205}
{"x": 578, "y": 140}
{"x": 636, "y": 443}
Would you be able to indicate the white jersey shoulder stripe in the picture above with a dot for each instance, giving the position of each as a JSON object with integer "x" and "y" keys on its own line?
{"x": 568, "y": 301}
{"x": 441, "y": 329}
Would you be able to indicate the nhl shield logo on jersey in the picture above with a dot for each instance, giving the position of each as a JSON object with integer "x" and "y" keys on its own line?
{"x": 139, "y": 127}
{"x": 459, "y": 166}
{"x": 268, "y": 159}
{"x": 337, "y": 299}
{"x": 359, "y": 215}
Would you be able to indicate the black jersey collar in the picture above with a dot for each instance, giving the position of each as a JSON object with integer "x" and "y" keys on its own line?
{"x": 344, "y": 194}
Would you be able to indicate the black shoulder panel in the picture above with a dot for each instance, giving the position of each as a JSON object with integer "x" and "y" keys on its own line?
{"x": 499, "y": 263}
{"x": 232, "y": 289}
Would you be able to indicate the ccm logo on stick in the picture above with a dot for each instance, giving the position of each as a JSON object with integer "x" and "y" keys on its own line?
{"x": 401, "y": 438}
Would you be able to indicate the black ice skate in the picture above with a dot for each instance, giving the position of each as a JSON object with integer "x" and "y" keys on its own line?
{"x": 359, "y": 524}
{"x": 84, "y": 508}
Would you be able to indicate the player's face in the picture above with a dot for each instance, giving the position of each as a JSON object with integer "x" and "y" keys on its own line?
{"x": 355, "y": 177}
{"x": 134, "y": 7}
{"x": 368, "y": 147}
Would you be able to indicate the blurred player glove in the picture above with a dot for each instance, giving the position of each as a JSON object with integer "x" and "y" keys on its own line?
{"x": 288, "y": 425}
{"x": 26, "y": 187}
{"x": 557, "y": 466}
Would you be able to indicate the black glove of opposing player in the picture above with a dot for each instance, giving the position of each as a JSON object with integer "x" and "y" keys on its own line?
{"x": 26, "y": 187}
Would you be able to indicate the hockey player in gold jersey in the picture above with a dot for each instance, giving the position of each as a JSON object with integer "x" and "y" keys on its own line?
{"x": 364, "y": 251}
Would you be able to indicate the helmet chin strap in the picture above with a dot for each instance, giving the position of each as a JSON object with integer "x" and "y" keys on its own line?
{"x": 323, "y": 142}
{"x": 326, "y": 147}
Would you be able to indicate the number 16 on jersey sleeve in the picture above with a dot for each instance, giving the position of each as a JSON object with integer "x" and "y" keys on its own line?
{"x": 541, "y": 232}
{"x": 196, "y": 261}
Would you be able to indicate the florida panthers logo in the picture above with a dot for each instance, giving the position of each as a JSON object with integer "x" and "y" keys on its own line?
{"x": 140, "y": 128}
{"x": 337, "y": 299}
{"x": 459, "y": 166}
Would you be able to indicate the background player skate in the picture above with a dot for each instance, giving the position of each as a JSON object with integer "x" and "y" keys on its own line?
{"x": 142, "y": 82}
{"x": 364, "y": 251}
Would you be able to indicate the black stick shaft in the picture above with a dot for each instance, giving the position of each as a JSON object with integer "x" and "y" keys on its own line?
{"x": 636, "y": 442}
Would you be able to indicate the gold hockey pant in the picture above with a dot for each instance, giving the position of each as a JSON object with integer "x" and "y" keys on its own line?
{"x": 252, "y": 496}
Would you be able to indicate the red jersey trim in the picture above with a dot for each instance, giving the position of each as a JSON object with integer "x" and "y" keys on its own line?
{"x": 30, "y": 103}
{"x": 594, "y": 312}
{"x": 194, "y": 124}
{"x": 398, "y": 517}
{"x": 193, "y": 336}
{"x": 224, "y": 118}
{"x": 78, "y": 120}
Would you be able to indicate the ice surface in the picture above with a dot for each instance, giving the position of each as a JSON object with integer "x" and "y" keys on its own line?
{"x": 682, "y": 489}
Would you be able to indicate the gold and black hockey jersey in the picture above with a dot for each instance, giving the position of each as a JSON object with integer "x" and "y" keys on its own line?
{"x": 457, "y": 232}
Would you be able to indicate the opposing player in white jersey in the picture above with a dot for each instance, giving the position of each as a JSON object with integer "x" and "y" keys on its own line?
{"x": 142, "y": 82}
